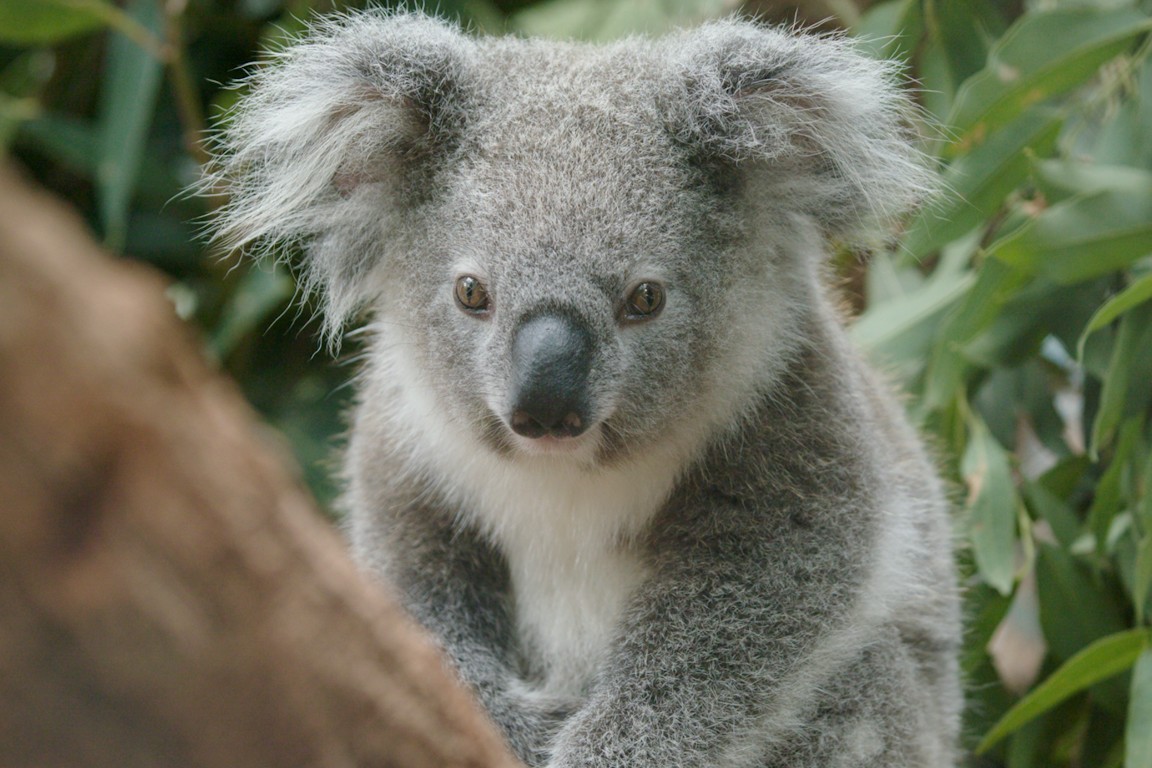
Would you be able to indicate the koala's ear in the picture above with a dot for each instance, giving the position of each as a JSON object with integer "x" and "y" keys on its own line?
{"x": 328, "y": 144}
{"x": 824, "y": 127}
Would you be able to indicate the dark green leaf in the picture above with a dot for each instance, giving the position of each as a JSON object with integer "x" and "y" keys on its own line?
{"x": 1101, "y": 660}
{"x": 1050, "y": 507}
{"x": 39, "y": 22}
{"x": 995, "y": 284}
{"x": 131, "y": 87}
{"x": 1126, "y": 385}
{"x": 955, "y": 27}
{"x": 1077, "y": 604}
{"x": 262, "y": 290}
{"x": 1131, "y": 297}
{"x": 992, "y": 506}
{"x": 890, "y": 30}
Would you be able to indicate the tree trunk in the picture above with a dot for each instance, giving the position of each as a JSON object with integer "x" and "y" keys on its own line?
{"x": 168, "y": 594}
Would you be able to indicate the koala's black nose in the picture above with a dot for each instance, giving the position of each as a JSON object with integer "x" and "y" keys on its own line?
{"x": 551, "y": 360}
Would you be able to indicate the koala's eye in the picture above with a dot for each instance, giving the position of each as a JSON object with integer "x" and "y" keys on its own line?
{"x": 471, "y": 294}
{"x": 645, "y": 301}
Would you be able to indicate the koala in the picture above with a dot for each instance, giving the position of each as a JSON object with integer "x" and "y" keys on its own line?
{"x": 611, "y": 445}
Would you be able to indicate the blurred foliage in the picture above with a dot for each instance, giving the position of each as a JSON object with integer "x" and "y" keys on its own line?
{"x": 1016, "y": 308}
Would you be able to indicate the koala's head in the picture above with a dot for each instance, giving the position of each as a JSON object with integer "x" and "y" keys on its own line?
{"x": 569, "y": 249}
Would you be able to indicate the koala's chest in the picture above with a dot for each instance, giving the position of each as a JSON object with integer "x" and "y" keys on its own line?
{"x": 569, "y": 604}
{"x": 564, "y": 538}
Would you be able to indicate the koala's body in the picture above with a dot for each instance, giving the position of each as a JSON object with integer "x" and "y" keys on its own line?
{"x": 611, "y": 445}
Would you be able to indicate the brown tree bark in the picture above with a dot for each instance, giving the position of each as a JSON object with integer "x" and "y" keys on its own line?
{"x": 168, "y": 595}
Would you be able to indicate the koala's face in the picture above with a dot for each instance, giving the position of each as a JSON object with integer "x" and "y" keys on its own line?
{"x": 568, "y": 284}
{"x": 576, "y": 250}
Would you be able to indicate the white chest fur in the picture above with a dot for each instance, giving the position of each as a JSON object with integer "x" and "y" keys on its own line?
{"x": 568, "y": 536}
{"x": 568, "y": 606}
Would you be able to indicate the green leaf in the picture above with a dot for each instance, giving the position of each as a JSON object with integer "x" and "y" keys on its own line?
{"x": 1078, "y": 604}
{"x": 1138, "y": 731}
{"x": 1131, "y": 297}
{"x": 261, "y": 291}
{"x": 1109, "y": 498}
{"x": 1038, "y": 310}
{"x": 42, "y": 22}
{"x": 978, "y": 182}
{"x": 889, "y": 321}
{"x": 131, "y": 86}
{"x": 1126, "y": 390}
{"x": 1060, "y": 516}
{"x": 1127, "y": 139}
{"x": 71, "y": 143}
{"x": 890, "y": 30}
{"x": 1060, "y": 179}
{"x": 956, "y": 29}
{"x": 1082, "y": 238}
{"x": 996, "y": 283}
{"x": 1142, "y": 583}
{"x": 1044, "y": 54}
{"x": 992, "y": 505}
{"x": 1099, "y": 661}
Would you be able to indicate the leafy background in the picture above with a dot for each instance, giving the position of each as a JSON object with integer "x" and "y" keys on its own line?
{"x": 1016, "y": 309}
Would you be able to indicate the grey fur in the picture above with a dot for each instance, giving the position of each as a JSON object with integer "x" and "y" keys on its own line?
{"x": 746, "y": 560}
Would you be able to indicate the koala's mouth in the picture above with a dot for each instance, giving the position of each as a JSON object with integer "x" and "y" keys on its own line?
{"x": 498, "y": 435}
{"x": 558, "y": 445}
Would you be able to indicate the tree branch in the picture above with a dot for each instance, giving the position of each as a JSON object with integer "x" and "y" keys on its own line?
{"x": 168, "y": 595}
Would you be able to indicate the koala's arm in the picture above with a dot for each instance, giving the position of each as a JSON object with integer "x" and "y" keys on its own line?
{"x": 727, "y": 645}
{"x": 457, "y": 586}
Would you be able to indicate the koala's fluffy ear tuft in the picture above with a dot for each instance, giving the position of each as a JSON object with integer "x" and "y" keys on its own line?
{"x": 319, "y": 152}
{"x": 824, "y": 126}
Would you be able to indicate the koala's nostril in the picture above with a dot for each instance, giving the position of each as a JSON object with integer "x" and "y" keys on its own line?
{"x": 523, "y": 424}
{"x": 527, "y": 425}
{"x": 572, "y": 424}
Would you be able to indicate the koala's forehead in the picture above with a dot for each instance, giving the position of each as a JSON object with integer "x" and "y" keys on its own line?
{"x": 568, "y": 150}
{"x": 546, "y": 98}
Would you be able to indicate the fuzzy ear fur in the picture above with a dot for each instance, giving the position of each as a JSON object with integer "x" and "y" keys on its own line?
{"x": 358, "y": 100}
{"x": 821, "y": 124}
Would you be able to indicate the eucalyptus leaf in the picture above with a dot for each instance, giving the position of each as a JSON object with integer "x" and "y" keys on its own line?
{"x": 1084, "y": 237}
{"x": 1106, "y": 657}
{"x": 1059, "y": 515}
{"x": 890, "y": 30}
{"x": 264, "y": 289}
{"x": 956, "y": 29}
{"x": 1138, "y": 735}
{"x": 131, "y": 87}
{"x": 977, "y": 183}
{"x": 1142, "y": 581}
{"x": 1044, "y": 54}
{"x": 42, "y": 22}
{"x": 1077, "y": 605}
{"x": 887, "y": 322}
{"x": 992, "y": 505}
{"x": 1059, "y": 179}
{"x": 996, "y": 283}
{"x": 1126, "y": 389}
{"x": 1131, "y": 297}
